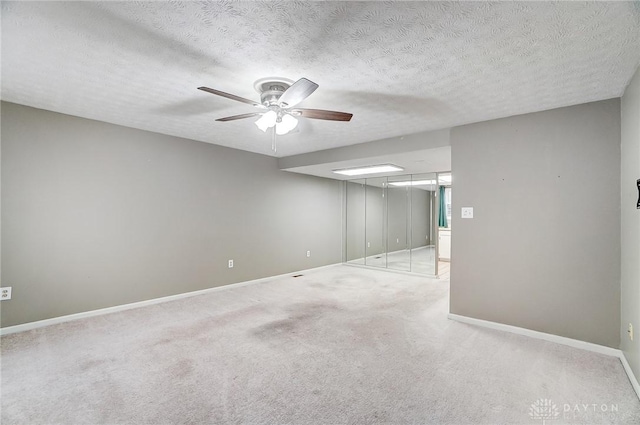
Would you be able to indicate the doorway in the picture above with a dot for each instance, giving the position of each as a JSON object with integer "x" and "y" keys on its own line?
{"x": 444, "y": 224}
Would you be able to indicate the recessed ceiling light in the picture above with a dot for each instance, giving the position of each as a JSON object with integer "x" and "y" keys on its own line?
{"x": 413, "y": 183}
{"x": 370, "y": 169}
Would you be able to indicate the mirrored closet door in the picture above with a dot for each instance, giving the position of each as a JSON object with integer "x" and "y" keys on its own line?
{"x": 390, "y": 222}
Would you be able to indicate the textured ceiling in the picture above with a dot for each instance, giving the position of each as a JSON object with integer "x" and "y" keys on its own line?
{"x": 400, "y": 68}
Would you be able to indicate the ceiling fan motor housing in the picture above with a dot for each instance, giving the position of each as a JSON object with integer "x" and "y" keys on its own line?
{"x": 271, "y": 89}
{"x": 270, "y": 97}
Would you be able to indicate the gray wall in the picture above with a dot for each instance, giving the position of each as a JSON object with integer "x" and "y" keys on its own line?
{"x": 543, "y": 249}
{"x": 630, "y": 223}
{"x": 355, "y": 225}
{"x": 421, "y": 220}
{"x": 398, "y": 218}
{"x": 404, "y": 220}
{"x": 375, "y": 218}
{"x": 97, "y": 215}
{"x": 409, "y": 222}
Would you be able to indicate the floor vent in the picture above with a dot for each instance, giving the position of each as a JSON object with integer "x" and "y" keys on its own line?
{"x": 298, "y": 275}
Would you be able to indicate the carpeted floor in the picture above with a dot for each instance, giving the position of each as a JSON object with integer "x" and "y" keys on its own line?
{"x": 337, "y": 345}
{"x": 418, "y": 260}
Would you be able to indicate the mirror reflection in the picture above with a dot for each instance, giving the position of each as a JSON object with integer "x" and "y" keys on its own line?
{"x": 398, "y": 224}
{"x": 423, "y": 248}
{"x": 355, "y": 224}
{"x": 391, "y": 222}
{"x": 375, "y": 222}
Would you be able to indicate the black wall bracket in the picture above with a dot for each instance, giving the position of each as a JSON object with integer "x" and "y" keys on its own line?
{"x": 638, "y": 204}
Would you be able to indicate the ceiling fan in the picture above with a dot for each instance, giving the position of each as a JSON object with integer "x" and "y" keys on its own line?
{"x": 278, "y": 98}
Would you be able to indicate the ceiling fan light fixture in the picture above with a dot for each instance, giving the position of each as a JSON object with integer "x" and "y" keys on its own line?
{"x": 277, "y": 98}
{"x": 286, "y": 124}
{"x": 267, "y": 120}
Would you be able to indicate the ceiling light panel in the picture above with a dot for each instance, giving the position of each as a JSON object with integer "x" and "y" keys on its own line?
{"x": 413, "y": 183}
{"x": 371, "y": 169}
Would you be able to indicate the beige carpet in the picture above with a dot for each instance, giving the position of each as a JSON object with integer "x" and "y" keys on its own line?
{"x": 338, "y": 345}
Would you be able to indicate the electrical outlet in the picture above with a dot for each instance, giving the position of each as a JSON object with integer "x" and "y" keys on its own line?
{"x": 397, "y": 240}
{"x": 308, "y": 253}
{"x": 5, "y": 293}
{"x": 630, "y": 330}
{"x": 230, "y": 264}
{"x": 368, "y": 244}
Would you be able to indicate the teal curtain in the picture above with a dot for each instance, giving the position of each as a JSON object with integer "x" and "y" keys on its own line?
{"x": 442, "y": 210}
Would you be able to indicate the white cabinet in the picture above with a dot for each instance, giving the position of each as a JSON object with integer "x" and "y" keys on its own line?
{"x": 444, "y": 245}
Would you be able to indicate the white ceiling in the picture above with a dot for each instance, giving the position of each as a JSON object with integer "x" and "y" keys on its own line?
{"x": 400, "y": 68}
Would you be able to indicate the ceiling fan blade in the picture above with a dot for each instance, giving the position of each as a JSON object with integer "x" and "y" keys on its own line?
{"x": 239, "y": 117}
{"x": 321, "y": 114}
{"x": 298, "y": 92}
{"x": 232, "y": 97}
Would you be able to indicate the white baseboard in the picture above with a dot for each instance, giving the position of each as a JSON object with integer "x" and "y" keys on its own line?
{"x": 575, "y": 343}
{"x": 384, "y": 269}
{"x": 632, "y": 377}
{"x": 92, "y": 313}
{"x": 538, "y": 335}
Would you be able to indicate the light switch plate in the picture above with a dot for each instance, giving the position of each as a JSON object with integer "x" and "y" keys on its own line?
{"x": 467, "y": 212}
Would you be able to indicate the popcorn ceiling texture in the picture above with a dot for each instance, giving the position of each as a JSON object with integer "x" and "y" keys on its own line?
{"x": 400, "y": 68}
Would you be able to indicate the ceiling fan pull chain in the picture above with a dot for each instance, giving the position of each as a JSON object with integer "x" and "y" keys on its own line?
{"x": 273, "y": 140}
